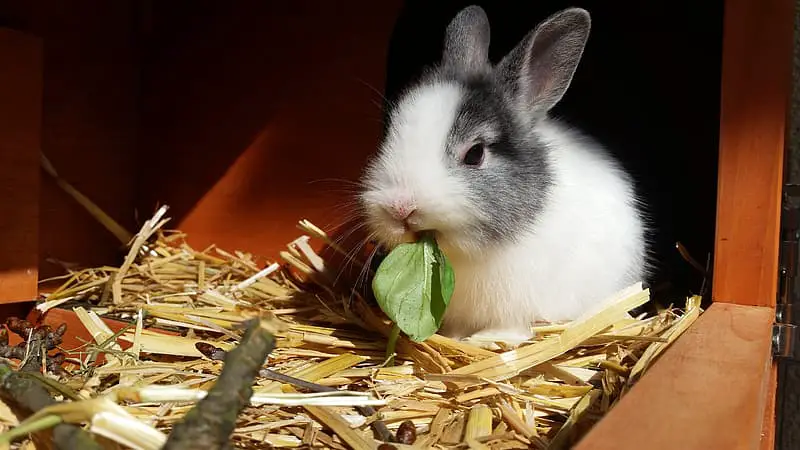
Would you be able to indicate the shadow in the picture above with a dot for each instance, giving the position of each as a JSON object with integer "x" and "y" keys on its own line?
{"x": 229, "y": 112}
{"x": 87, "y": 127}
{"x": 200, "y": 109}
{"x": 247, "y": 105}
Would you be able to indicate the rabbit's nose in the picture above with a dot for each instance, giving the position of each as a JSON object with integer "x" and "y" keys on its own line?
{"x": 401, "y": 210}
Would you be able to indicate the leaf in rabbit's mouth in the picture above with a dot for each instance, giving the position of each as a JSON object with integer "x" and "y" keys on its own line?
{"x": 413, "y": 286}
{"x": 425, "y": 234}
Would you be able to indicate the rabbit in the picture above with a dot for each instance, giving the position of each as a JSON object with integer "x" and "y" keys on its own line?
{"x": 538, "y": 221}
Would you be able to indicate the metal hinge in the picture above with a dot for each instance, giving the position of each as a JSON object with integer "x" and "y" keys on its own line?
{"x": 784, "y": 330}
{"x": 784, "y": 340}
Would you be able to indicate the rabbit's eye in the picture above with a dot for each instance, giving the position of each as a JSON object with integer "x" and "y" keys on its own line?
{"x": 474, "y": 156}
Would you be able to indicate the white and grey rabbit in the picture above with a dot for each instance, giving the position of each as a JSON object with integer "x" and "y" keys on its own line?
{"x": 538, "y": 221}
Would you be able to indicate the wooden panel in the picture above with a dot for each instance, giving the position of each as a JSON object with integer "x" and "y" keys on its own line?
{"x": 769, "y": 426}
{"x": 20, "y": 131}
{"x": 90, "y": 118}
{"x": 756, "y": 73}
{"x": 90, "y": 133}
{"x": 277, "y": 145}
{"x": 708, "y": 391}
{"x": 756, "y": 86}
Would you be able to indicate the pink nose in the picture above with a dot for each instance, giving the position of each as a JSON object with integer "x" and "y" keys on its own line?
{"x": 401, "y": 210}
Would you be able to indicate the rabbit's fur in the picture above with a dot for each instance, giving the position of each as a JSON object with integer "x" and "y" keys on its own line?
{"x": 538, "y": 221}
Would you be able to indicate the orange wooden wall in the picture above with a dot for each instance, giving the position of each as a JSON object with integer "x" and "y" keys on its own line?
{"x": 756, "y": 86}
{"x": 89, "y": 120}
{"x": 20, "y": 136}
{"x": 227, "y": 111}
{"x": 248, "y": 106}
{"x": 756, "y": 82}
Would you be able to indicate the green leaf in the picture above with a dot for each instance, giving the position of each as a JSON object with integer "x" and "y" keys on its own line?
{"x": 443, "y": 282}
{"x": 413, "y": 286}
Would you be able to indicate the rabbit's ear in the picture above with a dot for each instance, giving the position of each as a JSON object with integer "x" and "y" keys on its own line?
{"x": 539, "y": 70}
{"x": 466, "y": 42}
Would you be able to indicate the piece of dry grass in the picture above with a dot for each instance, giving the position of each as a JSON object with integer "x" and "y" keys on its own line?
{"x": 456, "y": 394}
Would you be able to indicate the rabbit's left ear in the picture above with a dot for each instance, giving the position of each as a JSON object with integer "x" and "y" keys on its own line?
{"x": 466, "y": 42}
{"x": 539, "y": 70}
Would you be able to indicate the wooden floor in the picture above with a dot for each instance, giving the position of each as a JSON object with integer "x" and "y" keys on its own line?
{"x": 708, "y": 391}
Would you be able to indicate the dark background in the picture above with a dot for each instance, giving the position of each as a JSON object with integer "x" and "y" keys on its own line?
{"x": 647, "y": 88}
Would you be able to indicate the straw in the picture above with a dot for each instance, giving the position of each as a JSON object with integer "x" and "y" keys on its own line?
{"x": 185, "y": 308}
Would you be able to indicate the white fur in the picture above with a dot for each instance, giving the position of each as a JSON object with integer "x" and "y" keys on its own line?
{"x": 412, "y": 164}
{"x": 587, "y": 244}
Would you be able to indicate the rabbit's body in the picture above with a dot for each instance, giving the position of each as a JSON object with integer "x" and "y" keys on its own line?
{"x": 587, "y": 243}
{"x": 538, "y": 221}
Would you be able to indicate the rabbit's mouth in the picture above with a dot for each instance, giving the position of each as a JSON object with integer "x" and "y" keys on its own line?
{"x": 410, "y": 236}
{"x": 413, "y": 229}
{"x": 419, "y": 234}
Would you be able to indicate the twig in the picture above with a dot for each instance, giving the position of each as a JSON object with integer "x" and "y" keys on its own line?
{"x": 688, "y": 258}
{"x": 707, "y": 277}
{"x": 25, "y": 396}
{"x": 378, "y": 426}
{"x": 210, "y": 424}
{"x": 111, "y": 225}
{"x": 148, "y": 229}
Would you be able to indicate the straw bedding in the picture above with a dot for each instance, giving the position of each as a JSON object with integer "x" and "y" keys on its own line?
{"x": 545, "y": 394}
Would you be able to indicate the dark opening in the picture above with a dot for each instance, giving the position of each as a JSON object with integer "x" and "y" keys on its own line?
{"x": 648, "y": 88}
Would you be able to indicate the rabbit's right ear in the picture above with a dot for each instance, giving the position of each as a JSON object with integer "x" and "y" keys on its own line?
{"x": 466, "y": 42}
{"x": 539, "y": 70}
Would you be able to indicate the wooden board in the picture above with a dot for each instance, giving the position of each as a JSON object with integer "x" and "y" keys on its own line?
{"x": 708, "y": 391}
{"x": 20, "y": 137}
{"x": 756, "y": 86}
{"x": 770, "y": 420}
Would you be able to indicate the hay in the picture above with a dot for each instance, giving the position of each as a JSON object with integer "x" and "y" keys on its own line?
{"x": 544, "y": 394}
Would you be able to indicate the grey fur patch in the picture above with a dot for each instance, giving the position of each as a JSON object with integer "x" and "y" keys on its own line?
{"x": 466, "y": 43}
{"x": 512, "y": 191}
{"x": 539, "y": 70}
{"x": 500, "y": 108}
